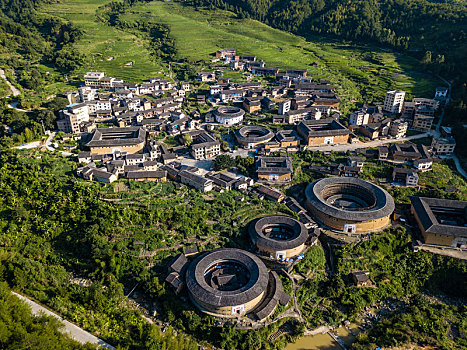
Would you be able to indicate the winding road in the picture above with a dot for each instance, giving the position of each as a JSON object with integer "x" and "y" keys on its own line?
{"x": 72, "y": 330}
{"x": 14, "y": 91}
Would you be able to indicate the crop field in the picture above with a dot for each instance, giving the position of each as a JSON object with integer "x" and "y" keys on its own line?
{"x": 360, "y": 74}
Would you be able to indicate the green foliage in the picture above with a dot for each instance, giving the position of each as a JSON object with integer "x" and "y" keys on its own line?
{"x": 245, "y": 165}
{"x": 314, "y": 259}
{"x": 423, "y": 322}
{"x": 223, "y": 161}
{"x": 19, "y": 329}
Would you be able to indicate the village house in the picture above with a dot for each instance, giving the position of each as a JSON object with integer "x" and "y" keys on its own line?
{"x": 274, "y": 169}
{"x": 222, "y": 180}
{"x": 403, "y": 152}
{"x": 398, "y": 128}
{"x": 355, "y": 161}
{"x": 423, "y": 164}
{"x": 443, "y": 145}
{"x": 407, "y": 177}
{"x": 265, "y": 71}
{"x": 252, "y": 104}
{"x": 204, "y": 146}
{"x": 206, "y": 76}
{"x": 223, "y": 53}
{"x": 394, "y": 101}
{"x": 383, "y": 153}
{"x": 288, "y": 139}
{"x": 147, "y": 175}
{"x": 197, "y": 181}
{"x": 323, "y": 132}
{"x": 112, "y": 140}
{"x": 361, "y": 278}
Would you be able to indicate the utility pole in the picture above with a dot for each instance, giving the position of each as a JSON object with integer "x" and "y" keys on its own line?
{"x": 43, "y": 127}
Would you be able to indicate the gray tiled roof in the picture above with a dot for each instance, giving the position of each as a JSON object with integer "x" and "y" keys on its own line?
{"x": 201, "y": 290}
{"x": 108, "y": 137}
{"x": 383, "y": 206}
{"x": 299, "y": 237}
{"x": 424, "y": 210}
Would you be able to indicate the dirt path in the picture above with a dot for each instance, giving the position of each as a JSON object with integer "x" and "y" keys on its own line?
{"x": 13, "y": 89}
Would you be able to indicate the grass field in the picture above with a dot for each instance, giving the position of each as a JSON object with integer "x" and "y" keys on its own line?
{"x": 360, "y": 74}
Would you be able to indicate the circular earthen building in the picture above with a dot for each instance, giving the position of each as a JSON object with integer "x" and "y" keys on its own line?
{"x": 229, "y": 115}
{"x": 252, "y": 136}
{"x": 349, "y": 204}
{"x": 278, "y": 237}
{"x": 227, "y": 282}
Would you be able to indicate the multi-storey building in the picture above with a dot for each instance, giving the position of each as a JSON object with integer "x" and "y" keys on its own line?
{"x": 398, "y": 128}
{"x": 394, "y": 101}
{"x": 204, "y": 146}
{"x": 443, "y": 145}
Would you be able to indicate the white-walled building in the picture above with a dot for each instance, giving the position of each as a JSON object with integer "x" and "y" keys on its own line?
{"x": 394, "y": 101}
{"x": 359, "y": 118}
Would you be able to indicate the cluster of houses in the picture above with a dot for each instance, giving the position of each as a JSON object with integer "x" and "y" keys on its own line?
{"x": 125, "y": 103}
{"x": 310, "y": 108}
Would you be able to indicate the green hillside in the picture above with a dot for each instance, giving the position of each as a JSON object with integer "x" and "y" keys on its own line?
{"x": 106, "y": 48}
{"x": 360, "y": 73}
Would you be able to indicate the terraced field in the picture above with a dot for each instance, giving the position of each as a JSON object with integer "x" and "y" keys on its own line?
{"x": 360, "y": 73}
{"x": 120, "y": 54}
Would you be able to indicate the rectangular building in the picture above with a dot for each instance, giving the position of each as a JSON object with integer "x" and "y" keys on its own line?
{"x": 204, "y": 146}
{"x": 274, "y": 169}
{"x": 443, "y": 145}
{"x": 394, "y": 101}
{"x": 442, "y": 222}
{"x": 323, "y": 132}
{"x": 110, "y": 140}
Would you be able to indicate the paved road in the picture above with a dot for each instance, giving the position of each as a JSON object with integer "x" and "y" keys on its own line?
{"x": 370, "y": 144}
{"x": 30, "y": 145}
{"x": 458, "y": 166}
{"x": 74, "y": 331}
{"x": 13, "y": 89}
{"x": 14, "y": 105}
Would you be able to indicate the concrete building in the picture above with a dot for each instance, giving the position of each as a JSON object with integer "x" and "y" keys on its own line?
{"x": 284, "y": 106}
{"x": 394, "y": 101}
{"x": 359, "y": 118}
{"x": 405, "y": 176}
{"x": 422, "y": 122}
{"x": 398, "y": 128}
{"x": 204, "y": 146}
{"x": 442, "y": 222}
{"x": 443, "y": 145}
{"x": 72, "y": 118}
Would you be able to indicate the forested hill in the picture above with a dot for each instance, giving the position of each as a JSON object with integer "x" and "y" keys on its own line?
{"x": 416, "y": 25}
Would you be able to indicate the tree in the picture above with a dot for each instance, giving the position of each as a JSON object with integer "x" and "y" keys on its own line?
{"x": 223, "y": 161}
{"x": 187, "y": 139}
